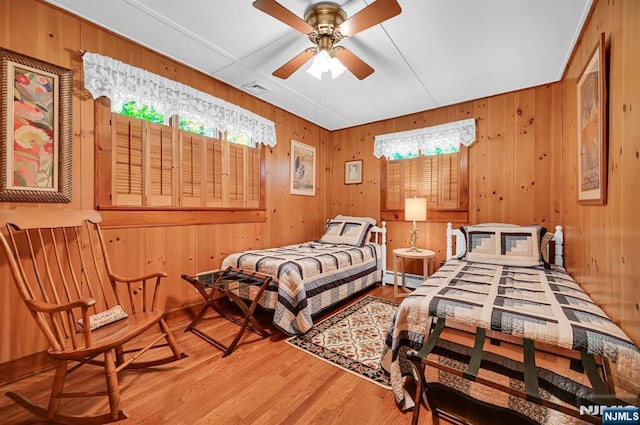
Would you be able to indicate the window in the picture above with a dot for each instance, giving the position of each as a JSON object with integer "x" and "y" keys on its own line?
{"x": 144, "y": 164}
{"x": 148, "y": 113}
{"x": 441, "y": 177}
{"x": 144, "y": 112}
{"x": 240, "y": 140}
{"x": 434, "y": 151}
{"x": 192, "y": 126}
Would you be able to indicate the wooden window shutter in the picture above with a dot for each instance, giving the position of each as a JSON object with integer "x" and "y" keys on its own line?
{"x": 127, "y": 160}
{"x": 213, "y": 172}
{"x": 410, "y": 179}
{"x": 237, "y": 175}
{"x": 253, "y": 179}
{"x": 394, "y": 199}
{"x": 429, "y": 178}
{"x": 449, "y": 188}
{"x": 191, "y": 154}
{"x": 160, "y": 176}
{"x": 152, "y": 166}
{"x": 442, "y": 179}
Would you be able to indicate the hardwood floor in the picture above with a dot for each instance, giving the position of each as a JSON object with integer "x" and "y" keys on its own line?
{"x": 265, "y": 381}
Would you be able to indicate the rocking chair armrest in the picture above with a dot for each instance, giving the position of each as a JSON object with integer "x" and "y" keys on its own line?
{"x": 55, "y": 308}
{"x": 121, "y": 279}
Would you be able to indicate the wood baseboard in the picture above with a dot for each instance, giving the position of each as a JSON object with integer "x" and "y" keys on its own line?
{"x": 185, "y": 314}
{"x": 14, "y": 370}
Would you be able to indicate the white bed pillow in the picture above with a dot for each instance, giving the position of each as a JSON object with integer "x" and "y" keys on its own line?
{"x": 504, "y": 244}
{"x": 347, "y": 231}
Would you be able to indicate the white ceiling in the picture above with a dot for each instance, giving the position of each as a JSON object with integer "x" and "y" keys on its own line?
{"x": 435, "y": 53}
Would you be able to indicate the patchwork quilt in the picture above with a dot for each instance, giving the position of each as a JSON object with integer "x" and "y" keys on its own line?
{"x": 545, "y": 305}
{"x": 309, "y": 278}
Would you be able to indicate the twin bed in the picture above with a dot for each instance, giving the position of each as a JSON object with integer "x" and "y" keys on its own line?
{"x": 500, "y": 282}
{"x": 311, "y": 277}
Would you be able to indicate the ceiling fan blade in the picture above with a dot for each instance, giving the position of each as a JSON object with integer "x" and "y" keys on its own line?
{"x": 294, "y": 64}
{"x": 377, "y": 12}
{"x": 281, "y": 13}
{"x": 357, "y": 66}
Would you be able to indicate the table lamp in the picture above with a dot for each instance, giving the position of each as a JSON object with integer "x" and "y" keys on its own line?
{"x": 415, "y": 209}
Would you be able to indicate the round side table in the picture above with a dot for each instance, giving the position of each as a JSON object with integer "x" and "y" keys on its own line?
{"x": 399, "y": 255}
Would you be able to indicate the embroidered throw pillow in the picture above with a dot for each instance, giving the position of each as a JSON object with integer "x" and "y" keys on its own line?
{"x": 106, "y": 317}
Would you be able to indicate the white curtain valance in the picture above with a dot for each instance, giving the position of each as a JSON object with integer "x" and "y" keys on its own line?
{"x": 104, "y": 76}
{"x": 426, "y": 139}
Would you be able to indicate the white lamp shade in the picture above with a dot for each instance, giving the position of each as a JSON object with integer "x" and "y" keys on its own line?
{"x": 415, "y": 209}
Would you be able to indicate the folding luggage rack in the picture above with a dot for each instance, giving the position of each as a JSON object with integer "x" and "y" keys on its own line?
{"x": 231, "y": 283}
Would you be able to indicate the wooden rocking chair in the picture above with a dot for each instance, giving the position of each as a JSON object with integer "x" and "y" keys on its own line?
{"x": 60, "y": 266}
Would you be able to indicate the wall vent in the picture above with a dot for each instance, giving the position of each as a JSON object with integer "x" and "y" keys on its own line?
{"x": 255, "y": 88}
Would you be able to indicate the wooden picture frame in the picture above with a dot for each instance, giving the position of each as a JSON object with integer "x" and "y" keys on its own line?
{"x": 35, "y": 123}
{"x": 592, "y": 128}
{"x": 302, "y": 177}
{"x": 353, "y": 172}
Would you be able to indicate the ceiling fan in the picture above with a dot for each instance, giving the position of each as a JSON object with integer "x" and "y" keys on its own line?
{"x": 325, "y": 24}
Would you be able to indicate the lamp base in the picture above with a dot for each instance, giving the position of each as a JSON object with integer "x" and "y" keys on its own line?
{"x": 414, "y": 238}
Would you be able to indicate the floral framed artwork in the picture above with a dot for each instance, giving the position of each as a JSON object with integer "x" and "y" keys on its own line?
{"x": 303, "y": 169}
{"x": 35, "y": 123}
{"x": 592, "y": 128}
{"x": 353, "y": 172}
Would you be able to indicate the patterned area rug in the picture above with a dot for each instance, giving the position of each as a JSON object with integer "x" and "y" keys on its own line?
{"x": 352, "y": 339}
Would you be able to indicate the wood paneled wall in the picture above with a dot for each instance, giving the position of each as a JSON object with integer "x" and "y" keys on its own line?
{"x": 511, "y": 165}
{"x": 36, "y": 29}
{"x": 602, "y": 241}
{"x": 522, "y": 168}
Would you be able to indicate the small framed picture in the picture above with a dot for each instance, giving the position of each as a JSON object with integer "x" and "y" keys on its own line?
{"x": 353, "y": 172}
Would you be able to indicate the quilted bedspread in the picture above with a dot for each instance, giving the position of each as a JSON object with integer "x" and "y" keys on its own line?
{"x": 309, "y": 277}
{"x": 545, "y": 305}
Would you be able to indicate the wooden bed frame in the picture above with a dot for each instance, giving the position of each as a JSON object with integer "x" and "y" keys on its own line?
{"x": 596, "y": 368}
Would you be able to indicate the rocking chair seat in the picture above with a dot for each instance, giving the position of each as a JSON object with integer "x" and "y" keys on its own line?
{"x": 111, "y": 336}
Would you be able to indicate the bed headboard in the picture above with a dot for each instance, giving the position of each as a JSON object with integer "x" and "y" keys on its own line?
{"x": 461, "y": 244}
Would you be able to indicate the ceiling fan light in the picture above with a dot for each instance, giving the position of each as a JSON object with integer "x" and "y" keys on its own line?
{"x": 336, "y": 67}
{"x": 324, "y": 62}
{"x": 320, "y": 64}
